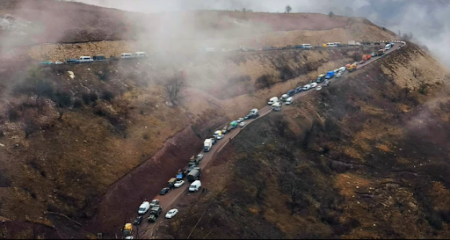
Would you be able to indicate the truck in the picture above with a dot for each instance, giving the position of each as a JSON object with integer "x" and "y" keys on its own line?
{"x": 276, "y": 106}
{"x": 207, "y": 145}
{"x": 195, "y": 160}
{"x": 366, "y": 57}
{"x": 128, "y": 230}
{"x": 330, "y": 74}
{"x": 194, "y": 174}
{"x": 352, "y": 67}
{"x": 253, "y": 113}
{"x": 320, "y": 78}
{"x": 352, "y": 43}
{"x": 154, "y": 213}
{"x": 381, "y": 52}
{"x": 171, "y": 182}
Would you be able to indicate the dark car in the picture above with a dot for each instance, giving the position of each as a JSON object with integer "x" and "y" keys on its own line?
{"x": 137, "y": 221}
{"x": 164, "y": 191}
{"x": 72, "y": 61}
{"x": 214, "y": 140}
{"x": 99, "y": 58}
{"x": 246, "y": 117}
{"x": 298, "y": 89}
{"x": 291, "y": 93}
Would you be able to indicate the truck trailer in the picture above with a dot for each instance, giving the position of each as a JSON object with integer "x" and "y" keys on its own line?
{"x": 207, "y": 145}
{"x": 194, "y": 174}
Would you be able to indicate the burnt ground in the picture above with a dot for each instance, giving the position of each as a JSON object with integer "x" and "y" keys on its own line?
{"x": 346, "y": 162}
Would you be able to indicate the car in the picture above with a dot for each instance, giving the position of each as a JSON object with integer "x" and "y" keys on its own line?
{"x": 338, "y": 75}
{"x": 246, "y": 117}
{"x": 298, "y": 89}
{"x": 214, "y": 140}
{"x": 373, "y": 54}
{"x": 137, "y": 221}
{"x": 58, "y": 62}
{"x": 179, "y": 183}
{"x": 240, "y": 120}
{"x": 191, "y": 167}
{"x": 306, "y": 87}
{"x": 155, "y": 202}
{"x": 199, "y": 157}
{"x": 164, "y": 191}
{"x": 313, "y": 85}
{"x": 72, "y": 61}
{"x": 291, "y": 93}
{"x": 319, "y": 88}
{"x": 242, "y": 124}
{"x": 171, "y": 213}
{"x": 129, "y": 237}
{"x": 46, "y": 63}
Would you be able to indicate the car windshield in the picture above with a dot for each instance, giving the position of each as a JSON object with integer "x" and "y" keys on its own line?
{"x": 141, "y": 209}
{"x": 172, "y": 211}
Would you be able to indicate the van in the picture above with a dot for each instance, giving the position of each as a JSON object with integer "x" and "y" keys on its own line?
{"x": 140, "y": 54}
{"x": 143, "y": 208}
{"x": 284, "y": 97}
{"x": 289, "y": 101}
{"x": 84, "y": 59}
{"x": 126, "y": 55}
{"x": 306, "y": 46}
{"x": 195, "y": 186}
{"x": 272, "y": 100}
{"x": 331, "y": 45}
{"x": 99, "y": 58}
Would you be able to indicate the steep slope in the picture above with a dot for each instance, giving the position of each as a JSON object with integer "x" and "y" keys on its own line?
{"x": 365, "y": 157}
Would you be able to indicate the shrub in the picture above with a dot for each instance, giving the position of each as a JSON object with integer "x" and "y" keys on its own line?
{"x": 108, "y": 96}
{"x": 13, "y": 115}
{"x": 77, "y": 103}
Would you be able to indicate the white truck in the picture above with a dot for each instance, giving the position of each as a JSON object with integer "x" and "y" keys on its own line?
{"x": 207, "y": 145}
{"x": 273, "y": 100}
{"x": 144, "y": 208}
{"x": 276, "y": 106}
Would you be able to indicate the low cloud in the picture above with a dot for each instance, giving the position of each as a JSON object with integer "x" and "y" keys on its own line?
{"x": 428, "y": 20}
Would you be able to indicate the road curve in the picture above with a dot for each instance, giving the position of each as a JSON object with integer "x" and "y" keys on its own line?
{"x": 168, "y": 201}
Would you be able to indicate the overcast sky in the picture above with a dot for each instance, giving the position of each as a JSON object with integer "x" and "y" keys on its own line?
{"x": 428, "y": 20}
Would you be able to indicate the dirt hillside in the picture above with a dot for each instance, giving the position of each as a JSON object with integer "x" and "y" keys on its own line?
{"x": 363, "y": 158}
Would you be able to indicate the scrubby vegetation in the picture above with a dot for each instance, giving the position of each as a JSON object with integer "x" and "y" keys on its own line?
{"x": 360, "y": 159}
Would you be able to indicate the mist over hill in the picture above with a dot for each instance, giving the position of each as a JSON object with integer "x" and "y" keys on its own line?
{"x": 428, "y": 20}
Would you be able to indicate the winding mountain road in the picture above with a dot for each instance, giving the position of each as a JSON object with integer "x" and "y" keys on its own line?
{"x": 146, "y": 230}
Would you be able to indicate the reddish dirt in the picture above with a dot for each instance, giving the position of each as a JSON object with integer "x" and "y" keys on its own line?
{"x": 123, "y": 198}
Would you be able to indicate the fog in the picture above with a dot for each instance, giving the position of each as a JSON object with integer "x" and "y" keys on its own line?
{"x": 427, "y": 20}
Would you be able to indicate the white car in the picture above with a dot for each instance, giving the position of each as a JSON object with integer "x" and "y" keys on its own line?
{"x": 240, "y": 120}
{"x": 338, "y": 75}
{"x": 313, "y": 85}
{"x": 306, "y": 87}
{"x": 179, "y": 183}
{"x": 319, "y": 88}
{"x": 242, "y": 124}
{"x": 58, "y": 62}
{"x": 170, "y": 214}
